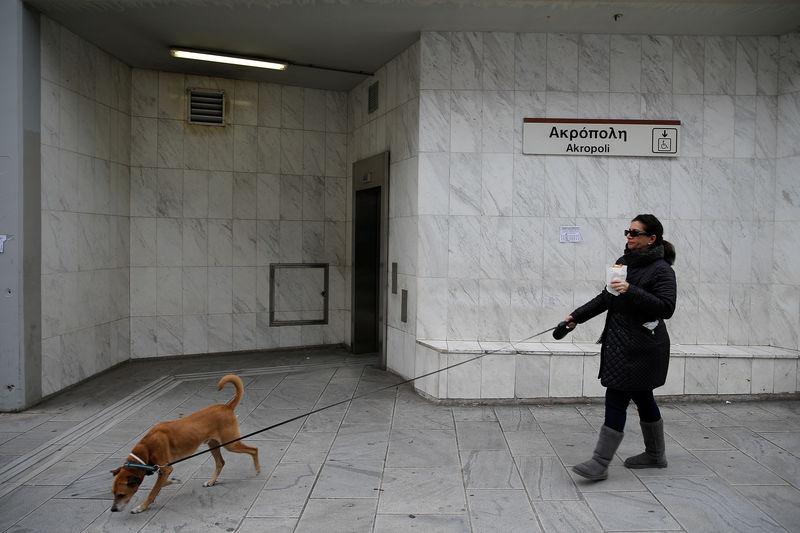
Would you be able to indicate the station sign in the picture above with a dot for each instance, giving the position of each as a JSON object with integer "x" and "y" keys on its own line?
{"x": 601, "y": 137}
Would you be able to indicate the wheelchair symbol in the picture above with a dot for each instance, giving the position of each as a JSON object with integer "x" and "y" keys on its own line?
{"x": 665, "y": 140}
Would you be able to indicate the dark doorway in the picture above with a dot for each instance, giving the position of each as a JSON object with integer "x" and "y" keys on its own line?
{"x": 366, "y": 273}
{"x": 370, "y": 249}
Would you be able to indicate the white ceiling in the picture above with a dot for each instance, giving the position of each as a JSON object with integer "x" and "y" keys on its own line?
{"x": 363, "y": 35}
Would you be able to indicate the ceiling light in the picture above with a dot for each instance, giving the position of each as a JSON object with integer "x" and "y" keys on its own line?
{"x": 223, "y": 58}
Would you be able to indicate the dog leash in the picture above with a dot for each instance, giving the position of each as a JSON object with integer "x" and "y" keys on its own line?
{"x": 156, "y": 468}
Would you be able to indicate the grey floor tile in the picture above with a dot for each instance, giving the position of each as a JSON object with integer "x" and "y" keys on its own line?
{"x": 480, "y": 436}
{"x": 422, "y": 447}
{"x": 707, "y": 415}
{"x": 198, "y": 508}
{"x": 501, "y": 510}
{"x": 781, "y": 503}
{"x": 434, "y": 523}
{"x": 562, "y": 419}
{"x": 545, "y": 478}
{"x": 516, "y": 418}
{"x": 309, "y": 447}
{"x": 789, "y": 441}
{"x": 438, "y": 490}
{"x": 572, "y": 447}
{"x": 285, "y": 421}
{"x": 273, "y": 525}
{"x": 22, "y": 422}
{"x": 423, "y": 417}
{"x": 694, "y": 436}
{"x": 708, "y": 504}
{"x": 341, "y": 480}
{"x": 630, "y": 511}
{"x": 566, "y": 517}
{"x": 528, "y": 442}
{"x": 125, "y": 521}
{"x": 22, "y": 501}
{"x": 324, "y": 516}
{"x": 738, "y": 469}
{"x": 778, "y": 460}
{"x": 478, "y": 413}
{"x": 285, "y": 492}
{"x": 368, "y": 410}
{"x": 489, "y": 469}
{"x": 328, "y": 420}
{"x": 360, "y": 442}
{"x": 68, "y": 470}
{"x": 57, "y": 516}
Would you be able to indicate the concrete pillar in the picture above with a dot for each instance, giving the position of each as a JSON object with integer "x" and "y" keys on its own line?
{"x": 20, "y": 208}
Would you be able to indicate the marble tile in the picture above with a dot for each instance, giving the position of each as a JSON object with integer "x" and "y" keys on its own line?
{"x": 562, "y": 62}
{"x": 341, "y": 480}
{"x": 720, "y": 65}
{"x": 737, "y": 469}
{"x": 417, "y": 448}
{"x": 777, "y": 502}
{"x": 498, "y": 121}
{"x": 59, "y": 514}
{"x": 437, "y": 490}
{"x": 444, "y": 523}
{"x": 355, "y": 515}
{"x": 708, "y": 502}
{"x": 641, "y": 511}
{"x": 545, "y": 478}
{"x": 435, "y": 60}
{"x": 498, "y": 61}
{"x": 594, "y": 63}
{"x": 489, "y": 469}
{"x": 509, "y": 510}
{"x": 465, "y": 121}
{"x": 567, "y": 516}
{"x": 530, "y": 61}
{"x": 688, "y": 63}
{"x": 768, "y": 57}
{"x": 466, "y": 55}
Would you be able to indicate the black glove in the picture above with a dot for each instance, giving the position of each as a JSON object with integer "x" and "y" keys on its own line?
{"x": 561, "y": 330}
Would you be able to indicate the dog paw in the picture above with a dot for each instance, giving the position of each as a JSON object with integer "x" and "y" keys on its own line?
{"x": 137, "y": 510}
{"x": 209, "y": 483}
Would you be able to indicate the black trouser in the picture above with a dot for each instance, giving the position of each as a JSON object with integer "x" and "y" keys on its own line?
{"x": 617, "y": 405}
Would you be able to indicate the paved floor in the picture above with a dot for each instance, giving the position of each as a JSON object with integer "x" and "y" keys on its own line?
{"x": 390, "y": 461}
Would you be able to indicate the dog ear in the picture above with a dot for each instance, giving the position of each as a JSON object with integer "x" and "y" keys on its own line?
{"x": 115, "y": 471}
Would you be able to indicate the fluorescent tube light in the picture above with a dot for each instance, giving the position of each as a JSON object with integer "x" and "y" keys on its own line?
{"x": 221, "y": 58}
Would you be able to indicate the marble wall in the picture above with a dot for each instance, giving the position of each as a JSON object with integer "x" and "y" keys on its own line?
{"x": 785, "y": 290}
{"x": 212, "y": 207}
{"x": 85, "y": 150}
{"x": 490, "y": 265}
{"x": 394, "y": 126}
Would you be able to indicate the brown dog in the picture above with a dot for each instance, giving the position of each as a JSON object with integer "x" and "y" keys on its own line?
{"x": 170, "y": 441}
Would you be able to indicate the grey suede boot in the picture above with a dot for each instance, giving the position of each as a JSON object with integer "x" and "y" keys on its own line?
{"x": 596, "y": 468}
{"x": 654, "y": 455}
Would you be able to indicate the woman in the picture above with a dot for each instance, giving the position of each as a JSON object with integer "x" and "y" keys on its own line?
{"x": 635, "y": 345}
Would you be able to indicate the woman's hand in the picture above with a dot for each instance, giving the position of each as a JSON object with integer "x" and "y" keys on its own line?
{"x": 570, "y": 322}
{"x": 620, "y": 285}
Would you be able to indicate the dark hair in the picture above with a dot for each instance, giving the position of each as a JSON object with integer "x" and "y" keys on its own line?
{"x": 653, "y": 227}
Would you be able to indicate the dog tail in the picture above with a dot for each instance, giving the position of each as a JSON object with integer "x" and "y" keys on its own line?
{"x": 237, "y": 382}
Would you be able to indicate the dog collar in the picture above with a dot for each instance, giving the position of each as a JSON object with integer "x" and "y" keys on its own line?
{"x": 141, "y": 464}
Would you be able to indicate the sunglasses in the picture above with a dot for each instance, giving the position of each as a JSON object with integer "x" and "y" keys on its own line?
{"x": 635, "y": 233}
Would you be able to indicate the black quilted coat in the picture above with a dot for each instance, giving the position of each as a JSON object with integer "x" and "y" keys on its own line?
{"x": 633, "y": 357}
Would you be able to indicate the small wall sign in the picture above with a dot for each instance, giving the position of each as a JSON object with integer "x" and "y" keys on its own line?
{"x": 601, "y": 137}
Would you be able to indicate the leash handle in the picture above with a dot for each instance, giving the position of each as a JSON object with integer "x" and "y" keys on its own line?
{"x": 298, "y": 417}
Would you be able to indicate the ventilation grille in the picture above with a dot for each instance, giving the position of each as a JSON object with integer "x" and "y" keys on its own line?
{"x": 372, "y": 98}
{"x": 206, "y": 107}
